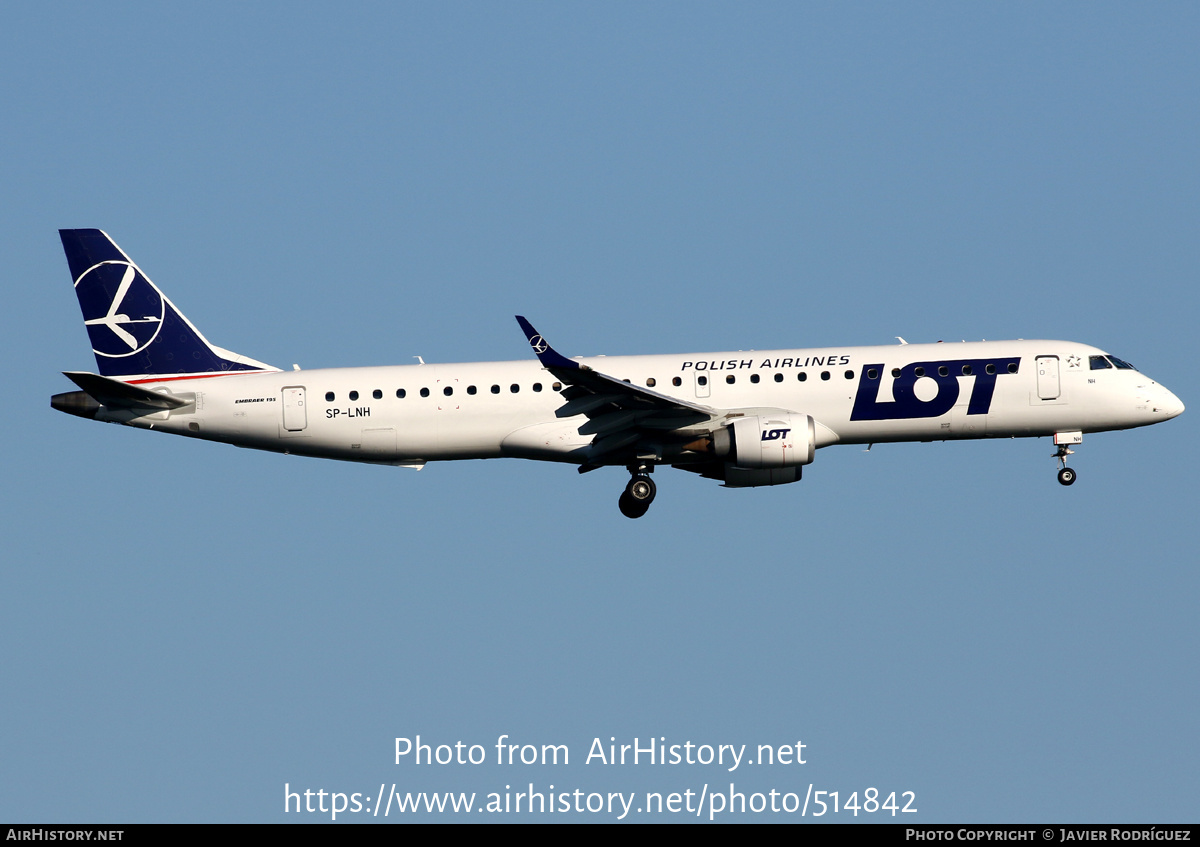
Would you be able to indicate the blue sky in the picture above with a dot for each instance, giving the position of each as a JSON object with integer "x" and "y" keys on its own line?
{"x": 186, "y": 627}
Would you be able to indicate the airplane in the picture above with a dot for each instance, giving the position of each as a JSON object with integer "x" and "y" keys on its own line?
{"x": 745, "y": 418}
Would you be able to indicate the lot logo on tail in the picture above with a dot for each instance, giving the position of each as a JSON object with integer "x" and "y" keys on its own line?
{"x": 122, "y": 310}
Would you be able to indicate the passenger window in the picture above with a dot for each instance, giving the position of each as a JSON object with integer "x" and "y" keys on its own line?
{"x": 966, "y": 370}
{"x": 514, "y": 388}
{"x": 495, "y": 389}
{"x": 919, "y": 371}
{"x": 825, "y": 375}
{"x": 424, "y": 392}
{"x": 470, "y": 389}
{"x": 1012, "y": 367}
{"x": 676, "y": 382}
{"x": 779, "y": 377}
{"x": 802, "y": 376}
{"x": 849, "y": 374}
{"x": 754, "y": 378}
{"x": 537, "y": 386}
{"x": 943, "y": 371}
{"x": 556, "y": 386}
{"x": 730, "y": 379}
{"x": 400, "y": 393}
{"x": 448, "y": 391}
{"x": 895, "y": 372}
{"x": 701, "y": 380}
{"x": 328, "y": 396}
{"x": 991, "y": 369}
{"x": 651, "y": 382}
{"x": 872, "y": 373}
{"x": 377, "y": 394}
{"x": 353, "y": 395}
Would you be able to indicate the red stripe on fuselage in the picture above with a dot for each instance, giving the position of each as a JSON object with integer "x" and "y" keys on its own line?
{"x": 194, "y": 376}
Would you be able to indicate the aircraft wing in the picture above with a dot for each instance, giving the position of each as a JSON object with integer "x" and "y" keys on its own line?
{"x": 618, "y": 412}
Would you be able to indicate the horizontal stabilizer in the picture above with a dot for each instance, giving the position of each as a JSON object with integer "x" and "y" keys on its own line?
{"x": 121, "y": 395}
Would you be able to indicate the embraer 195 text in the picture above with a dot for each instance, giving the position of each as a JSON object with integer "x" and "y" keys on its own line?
{"x": 745, "y": 418}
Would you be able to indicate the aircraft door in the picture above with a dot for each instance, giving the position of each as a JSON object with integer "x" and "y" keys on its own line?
{"x": 295, "y": 418}
{"x": 1047, "y": 377}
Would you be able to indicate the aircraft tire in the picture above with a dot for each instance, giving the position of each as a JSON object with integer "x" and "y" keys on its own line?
{"x": 1066, "y": 476}
{"x": 641, "y": 489}
{"x": 631, "y": 508}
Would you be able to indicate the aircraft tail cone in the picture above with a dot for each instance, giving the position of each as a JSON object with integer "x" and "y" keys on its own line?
{"x": 78, "y": 403}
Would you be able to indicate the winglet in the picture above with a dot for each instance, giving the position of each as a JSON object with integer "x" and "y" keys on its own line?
{"x": 547, "y": 355}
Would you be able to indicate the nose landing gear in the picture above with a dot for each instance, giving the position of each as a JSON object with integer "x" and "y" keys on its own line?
{"x": 639, "y": 493}
{"x": 1066, "y": 476}
{"x": 1063, "y": 440}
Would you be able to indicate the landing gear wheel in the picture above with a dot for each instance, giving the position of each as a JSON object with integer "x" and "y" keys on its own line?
{"x": 641, "y": 489}
{"x": 1066, "y": 476}
{"x": 638, "y": 494}
{"x": 631, "y": 508}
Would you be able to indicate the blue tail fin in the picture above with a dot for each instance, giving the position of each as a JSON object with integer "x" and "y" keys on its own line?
{"x": 135, "y": 330}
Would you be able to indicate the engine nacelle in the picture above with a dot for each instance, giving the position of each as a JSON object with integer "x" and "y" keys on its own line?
{"x": 764, "y": 442}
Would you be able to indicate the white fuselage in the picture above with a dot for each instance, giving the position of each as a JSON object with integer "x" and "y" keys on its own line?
{"x": 417, "y": 413}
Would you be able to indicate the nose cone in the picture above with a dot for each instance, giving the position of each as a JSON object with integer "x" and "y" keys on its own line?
{"x": 1167, "y": 405}
{"x": 1171, "y": 406}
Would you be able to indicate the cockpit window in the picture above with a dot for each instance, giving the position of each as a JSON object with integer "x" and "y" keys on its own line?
{"x": 1122, "y": 364}
{"x": 1099, "y": 363}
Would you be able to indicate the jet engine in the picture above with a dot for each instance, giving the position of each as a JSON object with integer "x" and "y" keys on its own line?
{"x": 765, "y": 449}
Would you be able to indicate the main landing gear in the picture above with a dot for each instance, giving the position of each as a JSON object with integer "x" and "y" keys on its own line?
{"x": 1066, "y": 476}
{"x": 639, "y": 493}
